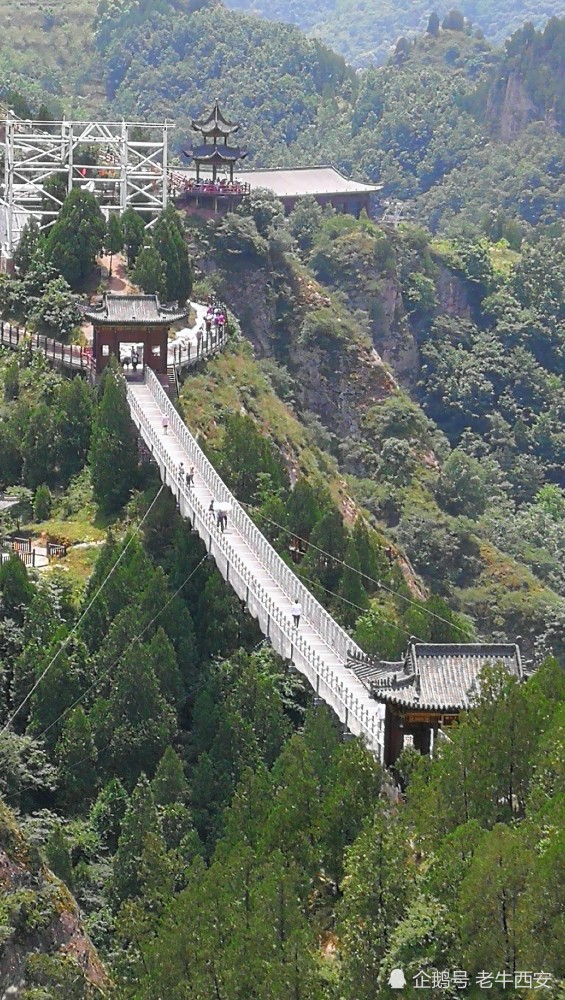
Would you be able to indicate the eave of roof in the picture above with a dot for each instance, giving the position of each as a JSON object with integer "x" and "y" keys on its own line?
{"x": 222, "y": 154}
{"x": 216, "y": 119}
{"x": 297, "y": 182}
{"x": 134, "y": 310}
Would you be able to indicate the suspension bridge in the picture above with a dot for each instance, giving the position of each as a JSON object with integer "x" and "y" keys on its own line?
{"x": 319, "y": 648}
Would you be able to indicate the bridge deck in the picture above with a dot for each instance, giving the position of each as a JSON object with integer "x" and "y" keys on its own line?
{"x": 319, "y": 648}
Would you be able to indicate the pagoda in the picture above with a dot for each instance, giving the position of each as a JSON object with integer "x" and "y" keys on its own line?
{"x": 214, "y": 151}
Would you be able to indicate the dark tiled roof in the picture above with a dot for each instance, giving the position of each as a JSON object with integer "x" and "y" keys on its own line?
{"x": 434, "y": 676}
{"x": 134, "y": 309}
{"x": 221, "y": 153}
{"x": 215, "y": 122}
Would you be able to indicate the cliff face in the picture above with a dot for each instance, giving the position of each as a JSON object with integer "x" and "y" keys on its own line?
{"x": 42, "y": 942}
{"x": 509, "y": 107}
{"x": 338, "y": 381}
{"x": 453, "y": 295}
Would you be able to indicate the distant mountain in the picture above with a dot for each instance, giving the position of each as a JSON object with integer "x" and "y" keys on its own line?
{"x": 365, "y": 32}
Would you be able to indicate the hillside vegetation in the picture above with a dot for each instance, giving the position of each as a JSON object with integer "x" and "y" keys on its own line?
{"x": 366, "y": 34}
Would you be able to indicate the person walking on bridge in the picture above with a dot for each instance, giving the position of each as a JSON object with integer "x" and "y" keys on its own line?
{"x": 296, "y": 612}
{"x": 165, "y": 423}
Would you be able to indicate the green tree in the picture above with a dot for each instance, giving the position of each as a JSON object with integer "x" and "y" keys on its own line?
{"x": 27, "y": 244}
{"x": 376, "y": 890}
{"x": 305, "y": 505}
{"x": 169, "y": 784}
{"x": 453, "y": 21}
{"x": 73, "y": 405}
{"x": 112, "y": 455}
{"x": 42, "y": 503}
{"x": 56, "y": 314}
{"x": 305, "y": 221}
{"x": 77, "y": 237}
{"x": 173, "y": 251}
{"x": 149, "y": 271}
{"x": 351, "y": 588}
{"x": 133, "y": 231}
{"x": 76, "y": 755}
{"x": 16, "y": 588}
{"x": 38, "y": 447}
{"x": 489, "y": 902}
{"x": 462, "y": 485}
{"x": 137, "y": 722}
{"x": 247, "y": 456}
{"x": 108, "y": 812}
{"x": 141, "y": 820}
{"x": 433, "y": 25}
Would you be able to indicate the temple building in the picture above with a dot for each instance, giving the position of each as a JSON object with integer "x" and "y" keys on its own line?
{"x": 132, "y": 327}
{"x": 425, "y": 692}
{"x": 325, "y": 183}
{"x": 216, "y": 183}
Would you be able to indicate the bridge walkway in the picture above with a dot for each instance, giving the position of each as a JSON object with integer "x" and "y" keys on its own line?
{"x": 319, "y": 648}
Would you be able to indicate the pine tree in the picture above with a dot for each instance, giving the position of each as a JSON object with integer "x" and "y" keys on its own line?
{"x": 113, "y": 455}
{"x": 433, "y": 25}
{"x": 163, "y": 660}
{"x": 77, "y": 755}
{"x": 172, "y": 248}
{"x": 29, "y": 239}
{"x": 77, "y": 236}
{"x": 133, "y": 232}
{"x": 375, "y": 893}
{"x": 73, "y": 407}
{"x": 42, "y": 503}
{"x": 108, "y": 812}
{"x": 149, "y": 271}
{"x": 351, "y": 587}
{"x": 169, "y": 784}
{"x": 140, "y": 820}
{"x": 136, "y": 720}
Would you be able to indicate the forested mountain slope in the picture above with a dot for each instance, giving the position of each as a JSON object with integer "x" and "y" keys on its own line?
{"x": 366, "y": 34}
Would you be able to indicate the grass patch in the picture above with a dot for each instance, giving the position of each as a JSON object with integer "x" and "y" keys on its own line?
{"x": 502, "y": 258}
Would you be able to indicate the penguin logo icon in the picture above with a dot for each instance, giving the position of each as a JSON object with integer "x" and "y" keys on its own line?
{"x": 397, "y": 979}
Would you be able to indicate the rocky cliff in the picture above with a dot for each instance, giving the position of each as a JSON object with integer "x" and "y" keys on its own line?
{"x": 338, "y": 378}
{"x": 44, "y": 950}
{"x": 509, "y": 108}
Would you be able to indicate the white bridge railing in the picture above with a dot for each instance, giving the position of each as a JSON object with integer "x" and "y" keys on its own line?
{"x": 337, "y": 684}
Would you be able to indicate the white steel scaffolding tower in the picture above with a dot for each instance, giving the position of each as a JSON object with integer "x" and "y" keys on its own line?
{"x": 124, "y": 164}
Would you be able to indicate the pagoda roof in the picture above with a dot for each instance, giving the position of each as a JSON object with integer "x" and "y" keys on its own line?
{"x": 437, "y": 677}
{"x": 207, "y": 153}
{"x": 215, "y": 124}
{"x": 134, "y": 310}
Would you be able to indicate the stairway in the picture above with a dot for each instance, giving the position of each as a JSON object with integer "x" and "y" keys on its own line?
{"x": 172, "y": 381}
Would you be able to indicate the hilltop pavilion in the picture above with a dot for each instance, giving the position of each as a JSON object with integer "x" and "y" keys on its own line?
{"x": 216, "y": 183}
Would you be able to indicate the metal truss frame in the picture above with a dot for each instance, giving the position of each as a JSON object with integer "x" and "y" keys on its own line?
{"x": 131, "y": 169}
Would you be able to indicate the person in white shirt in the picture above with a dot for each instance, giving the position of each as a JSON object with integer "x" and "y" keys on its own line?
{"x": 296, "y": 613}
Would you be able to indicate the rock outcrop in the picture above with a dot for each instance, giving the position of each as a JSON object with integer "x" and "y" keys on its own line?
{"x": 42, "y": 941}
{"x": 510, "y": 108}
